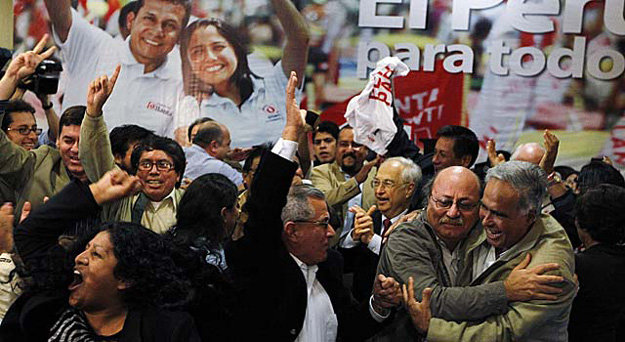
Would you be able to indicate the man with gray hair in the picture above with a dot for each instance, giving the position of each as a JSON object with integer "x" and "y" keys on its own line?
{"x": 290, "y": 283}
{"x": 394, "y": 184}
{"x": 514, "y": 228}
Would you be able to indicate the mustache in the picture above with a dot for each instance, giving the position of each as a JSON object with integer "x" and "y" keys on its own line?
{"x": 349, "y": 154}
{"x": 452, "y": 221}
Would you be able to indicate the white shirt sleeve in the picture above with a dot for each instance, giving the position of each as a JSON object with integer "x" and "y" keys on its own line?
{"x": 83, "y": 45}
{"x": 285, "y": 149}
{"x": 376, "y": 316}
{"x": 375, "y": 244}
{"x": 348, "y": 242}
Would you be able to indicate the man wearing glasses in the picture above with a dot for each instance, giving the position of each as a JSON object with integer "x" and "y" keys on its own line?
{"x": 159, "y": 162}
{"x": 394, "y": 184}
{"x": 441, "y": 249}
{"x": 347, "y": 181}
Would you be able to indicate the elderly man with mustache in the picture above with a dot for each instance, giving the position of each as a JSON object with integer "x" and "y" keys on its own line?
{"x": 430, "y": 249}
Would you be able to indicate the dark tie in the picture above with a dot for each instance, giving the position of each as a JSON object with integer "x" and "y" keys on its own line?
{"x": 387, "y": 225}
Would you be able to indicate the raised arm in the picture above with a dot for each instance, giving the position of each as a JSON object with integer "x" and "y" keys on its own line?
{"x": 273, "y": 178}
{"x": 61, "y": 16}
{"x": 95, "y": 146}
{"x": 22, "y": 66}
{"x": 297, "y": 37}
{"x": 39, "y": 232}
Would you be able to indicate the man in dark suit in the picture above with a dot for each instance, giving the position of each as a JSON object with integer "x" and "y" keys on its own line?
{"x": 394, "y": 185}
{"x": 290, "y": 283}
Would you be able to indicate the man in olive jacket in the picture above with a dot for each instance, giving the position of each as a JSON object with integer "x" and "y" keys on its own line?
{"x": 513, "y": 227}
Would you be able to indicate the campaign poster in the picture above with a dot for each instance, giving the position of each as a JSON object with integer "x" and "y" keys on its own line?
{"x": 508, "y": 69}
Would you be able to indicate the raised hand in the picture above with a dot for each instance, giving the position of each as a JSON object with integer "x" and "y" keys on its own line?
{"x": 294, "y": 122}
{"x": 99, "y": 91}
{"x": 239, "y": 154}
{"x": 420, "y": 313}
{"x": 386, "y": 293}
{"x": 26, "y": 63}
{"x": 22, "y": 66}
{"x": 363, "y": 224}
{"x": 525, "y": 284}
{"x": 551, "y": 146}
{"x": 494, "y": 158}
{"x": 363, "y": 173}
{"x": 114, "y": 185}
{"x": 26, "y": 208}
{"x": 6, "y": 228}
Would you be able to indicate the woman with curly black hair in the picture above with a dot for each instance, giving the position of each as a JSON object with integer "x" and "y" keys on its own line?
{"x": 598, "y": 310}
{"x": 114, "y": 288}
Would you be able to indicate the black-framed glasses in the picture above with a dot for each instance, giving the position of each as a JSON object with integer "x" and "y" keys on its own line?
{"x": 324, "y": 223}
{"x": 161, "y": 165}
{"x": 447, "y": 203}
{"x": 24, "y": 130}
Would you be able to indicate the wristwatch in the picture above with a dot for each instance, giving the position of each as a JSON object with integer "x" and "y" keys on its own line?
{"x": 553, "y": 179}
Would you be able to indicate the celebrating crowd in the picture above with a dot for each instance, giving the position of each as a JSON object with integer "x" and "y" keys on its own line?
{"x": 124, "y": 223}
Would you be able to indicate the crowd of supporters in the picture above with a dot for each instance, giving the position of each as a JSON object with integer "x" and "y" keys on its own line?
{"x": 299, "y": 233}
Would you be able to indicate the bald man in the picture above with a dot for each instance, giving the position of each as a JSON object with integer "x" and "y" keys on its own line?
{"x": 438, "y": 250}
{"x": 530, "y": 152}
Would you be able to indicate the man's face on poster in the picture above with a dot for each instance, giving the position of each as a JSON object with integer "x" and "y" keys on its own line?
{"x": 155, "y": 30}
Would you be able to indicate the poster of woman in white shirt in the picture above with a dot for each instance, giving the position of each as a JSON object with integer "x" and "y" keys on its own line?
{"x": 218, "y": 81}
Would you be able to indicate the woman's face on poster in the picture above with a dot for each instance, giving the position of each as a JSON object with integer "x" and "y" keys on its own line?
{"x": 211, "y": 56}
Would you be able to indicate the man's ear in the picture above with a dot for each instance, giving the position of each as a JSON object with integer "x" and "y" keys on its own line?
{"x": 290, "y": 231}
{"x": 118, "y": 159}
{"x": 531, "y": 217}
{"x": 466, "y": 160}
{"x": 223, "y": 213}
{"x": 123, "y": 284}
{"x": 130, "y": 18}
{"x": 410, "y": 192}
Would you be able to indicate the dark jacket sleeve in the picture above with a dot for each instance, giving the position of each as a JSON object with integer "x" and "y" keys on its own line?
{"x": 41, "y": 229}
{"x": 267, "y": 198}
{"x": 355, "y": 321}
{"x": 401, "y": 145}
{"x": 564, "y": 213}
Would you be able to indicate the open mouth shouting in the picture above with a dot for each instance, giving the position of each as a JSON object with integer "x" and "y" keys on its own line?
{"x": 77, "y": 282}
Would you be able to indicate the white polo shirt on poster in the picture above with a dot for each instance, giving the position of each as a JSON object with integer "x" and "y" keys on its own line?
{"x": 145, "y": 99}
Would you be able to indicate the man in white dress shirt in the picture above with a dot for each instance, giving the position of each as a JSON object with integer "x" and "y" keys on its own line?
{"x": 394, "y": 184}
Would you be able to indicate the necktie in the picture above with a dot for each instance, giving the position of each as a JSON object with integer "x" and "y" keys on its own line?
{"x": 387, "y": 225}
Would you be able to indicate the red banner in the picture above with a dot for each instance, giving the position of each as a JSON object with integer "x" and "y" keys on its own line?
{"x": 425, "y": 100}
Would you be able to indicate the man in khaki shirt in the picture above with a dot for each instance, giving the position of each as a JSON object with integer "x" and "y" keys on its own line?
{"x": 159, "y": 162}
{"x": 347, "y": 181}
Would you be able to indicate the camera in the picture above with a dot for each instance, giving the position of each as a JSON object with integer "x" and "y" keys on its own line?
{"x": 45, "y": 79}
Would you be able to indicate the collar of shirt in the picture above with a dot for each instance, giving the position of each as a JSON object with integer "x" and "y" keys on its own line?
{"x": 394, "y": 219}
{"x": 215, "y": 99}
{"x": 450, "y": 259}
{"x": 310, "y": 272}
{"x": 164, "y": 71}
{"x": 198, "y": 149}
{"x": 156, "y": 205}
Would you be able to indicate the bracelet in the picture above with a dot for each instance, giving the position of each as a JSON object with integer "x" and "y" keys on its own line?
{"x": 50, "y": 105}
